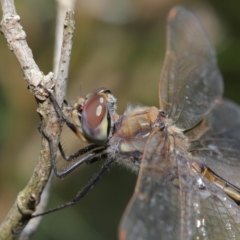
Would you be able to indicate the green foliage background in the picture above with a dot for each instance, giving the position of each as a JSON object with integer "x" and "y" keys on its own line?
{"x": 117, "y": 46}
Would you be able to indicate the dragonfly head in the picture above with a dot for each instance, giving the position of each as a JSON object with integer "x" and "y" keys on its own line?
{"x": 94, "y": 116}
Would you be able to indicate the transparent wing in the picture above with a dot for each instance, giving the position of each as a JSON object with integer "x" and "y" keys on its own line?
{"x": 206, "y": 211}
{"x": 154, "y": 207}
{"x": 190, "y": 81}
{"x": 216, "y": 141}
{"x": 168, "y": 202}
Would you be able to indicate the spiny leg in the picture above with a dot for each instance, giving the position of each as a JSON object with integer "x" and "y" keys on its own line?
{"x": 60, "y": 112}
{"x": 90, "y": 151}
{"x": 93, "y": 147}
{"x": 83, "y": 192}
{"x": 93, "y": 152}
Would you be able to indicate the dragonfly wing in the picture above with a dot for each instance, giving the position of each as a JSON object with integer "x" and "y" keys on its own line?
{"x": 190, "y": 83}
{"x": 206, "y": 211}
{"x": 155, "y": 200}
{"x": 219, "y": 214}
{"x": 215, "y": 141}
{"x": 159, "y": 208}
{"x": 171, "y": 201}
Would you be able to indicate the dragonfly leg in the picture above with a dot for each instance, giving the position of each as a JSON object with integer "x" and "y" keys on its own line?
{"x": 83, "y": 192}
{"x": 89, "y": 154}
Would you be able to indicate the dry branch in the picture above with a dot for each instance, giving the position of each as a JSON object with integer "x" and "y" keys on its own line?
{"x": 29, "y": 197}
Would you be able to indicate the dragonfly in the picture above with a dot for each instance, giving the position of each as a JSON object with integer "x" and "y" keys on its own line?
{"x": 186, "y": 152}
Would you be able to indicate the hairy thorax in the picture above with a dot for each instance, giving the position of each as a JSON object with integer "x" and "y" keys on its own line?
{"x": 133, "y": 129}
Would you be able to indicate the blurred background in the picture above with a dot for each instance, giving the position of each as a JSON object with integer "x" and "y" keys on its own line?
{"x": 119, "y": 45}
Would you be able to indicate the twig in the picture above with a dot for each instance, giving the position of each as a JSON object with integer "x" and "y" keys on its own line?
{"x": 16, "y": 39}
{"x": 62, "y": 7}
{"x": 69, "y": 26}
{"x": 29, "y": 197}
{"x": 32, "y": 226}
{"x": 63, "y": 41}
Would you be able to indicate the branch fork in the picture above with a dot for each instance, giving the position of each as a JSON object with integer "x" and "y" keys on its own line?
{"x": 27, "y": 200}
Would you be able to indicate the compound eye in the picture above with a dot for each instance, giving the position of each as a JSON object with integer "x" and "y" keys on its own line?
{"x": 95, "y": 123}
{"x": 94, "y": 111}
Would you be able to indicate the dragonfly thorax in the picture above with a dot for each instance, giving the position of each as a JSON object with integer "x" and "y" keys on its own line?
{"x": 132, "y": 130}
